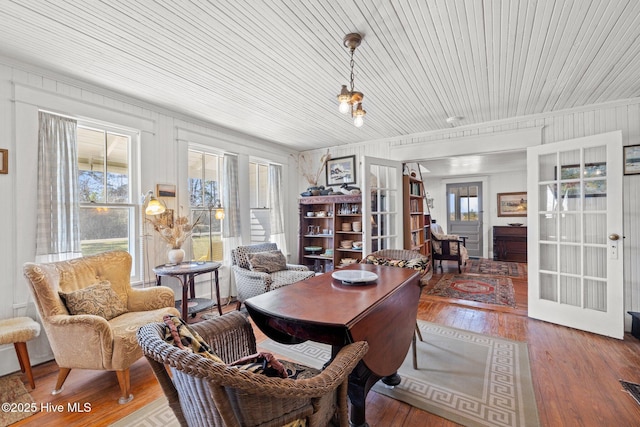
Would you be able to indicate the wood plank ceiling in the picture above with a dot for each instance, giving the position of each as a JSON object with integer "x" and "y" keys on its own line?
{"x": 273, "y": 68}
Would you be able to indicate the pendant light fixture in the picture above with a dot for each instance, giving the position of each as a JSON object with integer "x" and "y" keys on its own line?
{"x": 349, "y": 99}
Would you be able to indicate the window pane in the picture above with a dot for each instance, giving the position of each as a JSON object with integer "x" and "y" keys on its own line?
{"x": 263, "y": 184}
{"x": 91, "y": 150}
{"x": 205, "y": 191}
{"x": 104, "y": 228}
{"x": 204, "y": 179}
{"x": 117, "y": 168}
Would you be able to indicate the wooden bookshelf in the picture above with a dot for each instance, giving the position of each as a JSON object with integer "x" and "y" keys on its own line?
{"x": 416, "y": 220}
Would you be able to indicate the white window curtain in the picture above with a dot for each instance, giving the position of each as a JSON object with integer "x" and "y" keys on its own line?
{"x": 58, "y": 228}
{"x": 276, "y": 209}
{"x": 231, "y": 227}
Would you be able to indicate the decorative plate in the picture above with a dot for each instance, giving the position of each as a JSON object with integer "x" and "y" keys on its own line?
{"x": 313, "y": 248}
{"x": 354, "y": 277}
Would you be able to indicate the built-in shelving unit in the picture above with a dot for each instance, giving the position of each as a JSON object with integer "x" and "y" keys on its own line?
{"x": 330, "y": 230}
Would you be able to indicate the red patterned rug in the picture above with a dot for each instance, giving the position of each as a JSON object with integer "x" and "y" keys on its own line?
{"x": 485, "y": 289}
{"x": 496, "y": 268}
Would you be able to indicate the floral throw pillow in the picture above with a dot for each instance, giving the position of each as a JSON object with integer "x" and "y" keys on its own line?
{"x": 98, "y": 299}
{"x": 267, "y": 262}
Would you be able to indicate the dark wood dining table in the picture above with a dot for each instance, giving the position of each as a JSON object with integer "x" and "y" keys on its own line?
{"x": 323, "y": 309}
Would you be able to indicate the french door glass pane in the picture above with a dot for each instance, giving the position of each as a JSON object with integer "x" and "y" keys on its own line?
{"x": 595, "y": 228}
{"x": 595, "y": 294}
{"x": 570, "y": 259}
{"x": 548, "y": 197}
{"x": 548, "y": 287}
{"x": 549, "y": 257}
{"x": 547, "y": 167}
{"x": 548, "y": 230}
{"x": 570, "y": 226}
{"x": 570, "y": 292}
{"x": 595, "y": 261}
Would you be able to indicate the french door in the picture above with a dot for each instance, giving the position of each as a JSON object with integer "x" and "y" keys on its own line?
{"x": 574, "y": 233}
{"x": 381, "y": 204}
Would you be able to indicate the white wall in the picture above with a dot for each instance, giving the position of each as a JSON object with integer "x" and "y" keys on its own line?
{"x": 164, "y": 138}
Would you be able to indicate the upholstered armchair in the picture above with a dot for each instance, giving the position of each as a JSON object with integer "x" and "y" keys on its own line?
{"x": 204, "y": 392}
{"x": 448, "y": 247}
{"x": 262, "y": 268}
{"x": 91, "y": 313}
{"x": 405, "y": 258}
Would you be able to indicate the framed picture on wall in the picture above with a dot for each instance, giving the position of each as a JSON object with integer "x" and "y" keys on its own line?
{"x": 341, "y": 170}
{"x": 166, "y": 190}
{"x": 512, "y": 204}
{"x": 632, "y": 159}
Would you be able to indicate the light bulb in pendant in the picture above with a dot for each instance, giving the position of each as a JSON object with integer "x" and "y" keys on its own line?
{"x": 358, "y": 116}
{"x": 343, "y": 99}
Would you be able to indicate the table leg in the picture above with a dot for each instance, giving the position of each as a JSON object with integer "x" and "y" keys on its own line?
{"x": 185, "y": 298}
{"x": 218, "y": 292}
{"x": 361, "y": 380}
{"x": 192, "y": 285}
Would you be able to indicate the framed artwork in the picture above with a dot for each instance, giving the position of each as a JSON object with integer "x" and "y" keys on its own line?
{"x": 512, "y": 204}
{"x": 166, "y": 190}
{"x": 341, "y": 170}
{"x": 4, "y": 161}
{"x": 632, "y": 159}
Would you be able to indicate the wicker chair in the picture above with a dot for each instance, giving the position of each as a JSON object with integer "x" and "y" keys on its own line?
{"x": 202, "y": 392}
{"x": 427, "y": 273}
{"x": 251, "y": 283}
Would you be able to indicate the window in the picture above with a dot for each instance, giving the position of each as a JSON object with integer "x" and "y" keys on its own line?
{"x": 205, "y": 189}
{"x": 107, "y": 212}
{"x": 259, "y": 195}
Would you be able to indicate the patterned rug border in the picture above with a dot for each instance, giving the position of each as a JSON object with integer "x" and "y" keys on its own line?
{"x": 504, "y": 294}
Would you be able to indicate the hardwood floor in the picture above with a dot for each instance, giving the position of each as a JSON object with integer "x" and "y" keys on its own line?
{"x": 575, "y": 374}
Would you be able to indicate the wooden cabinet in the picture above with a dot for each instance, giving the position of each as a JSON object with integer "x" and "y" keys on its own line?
{"x": 330, "y": 231}
{"x": 510, "y": 243}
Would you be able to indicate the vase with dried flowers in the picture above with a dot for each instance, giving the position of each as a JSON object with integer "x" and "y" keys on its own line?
{"x": 305, "y": 168}
{"x": 174, "y": 231}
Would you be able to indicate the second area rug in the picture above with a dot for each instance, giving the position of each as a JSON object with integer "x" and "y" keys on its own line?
{"x": 469, "y": 378}
{"x": 472, "y": 379}
{"x": 479, "y": 288}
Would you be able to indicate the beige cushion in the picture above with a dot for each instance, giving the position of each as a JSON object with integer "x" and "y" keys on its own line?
{"x": 98, "y": 299}
{"x": 267, "y": 262}
{"x": 18, "y": 329}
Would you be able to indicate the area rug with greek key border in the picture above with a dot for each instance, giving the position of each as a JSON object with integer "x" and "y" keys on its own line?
{"x": 468, "y": 378}
{"x": 479, "y": 288}
{"x": 472, "y": 379}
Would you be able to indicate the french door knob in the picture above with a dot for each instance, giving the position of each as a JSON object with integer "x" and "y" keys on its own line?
{"x": 613, "y": 236}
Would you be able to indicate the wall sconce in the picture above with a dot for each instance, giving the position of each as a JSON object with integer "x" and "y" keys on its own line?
{"x": 219, "y": 215}
{"x": 153, "y": 206}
